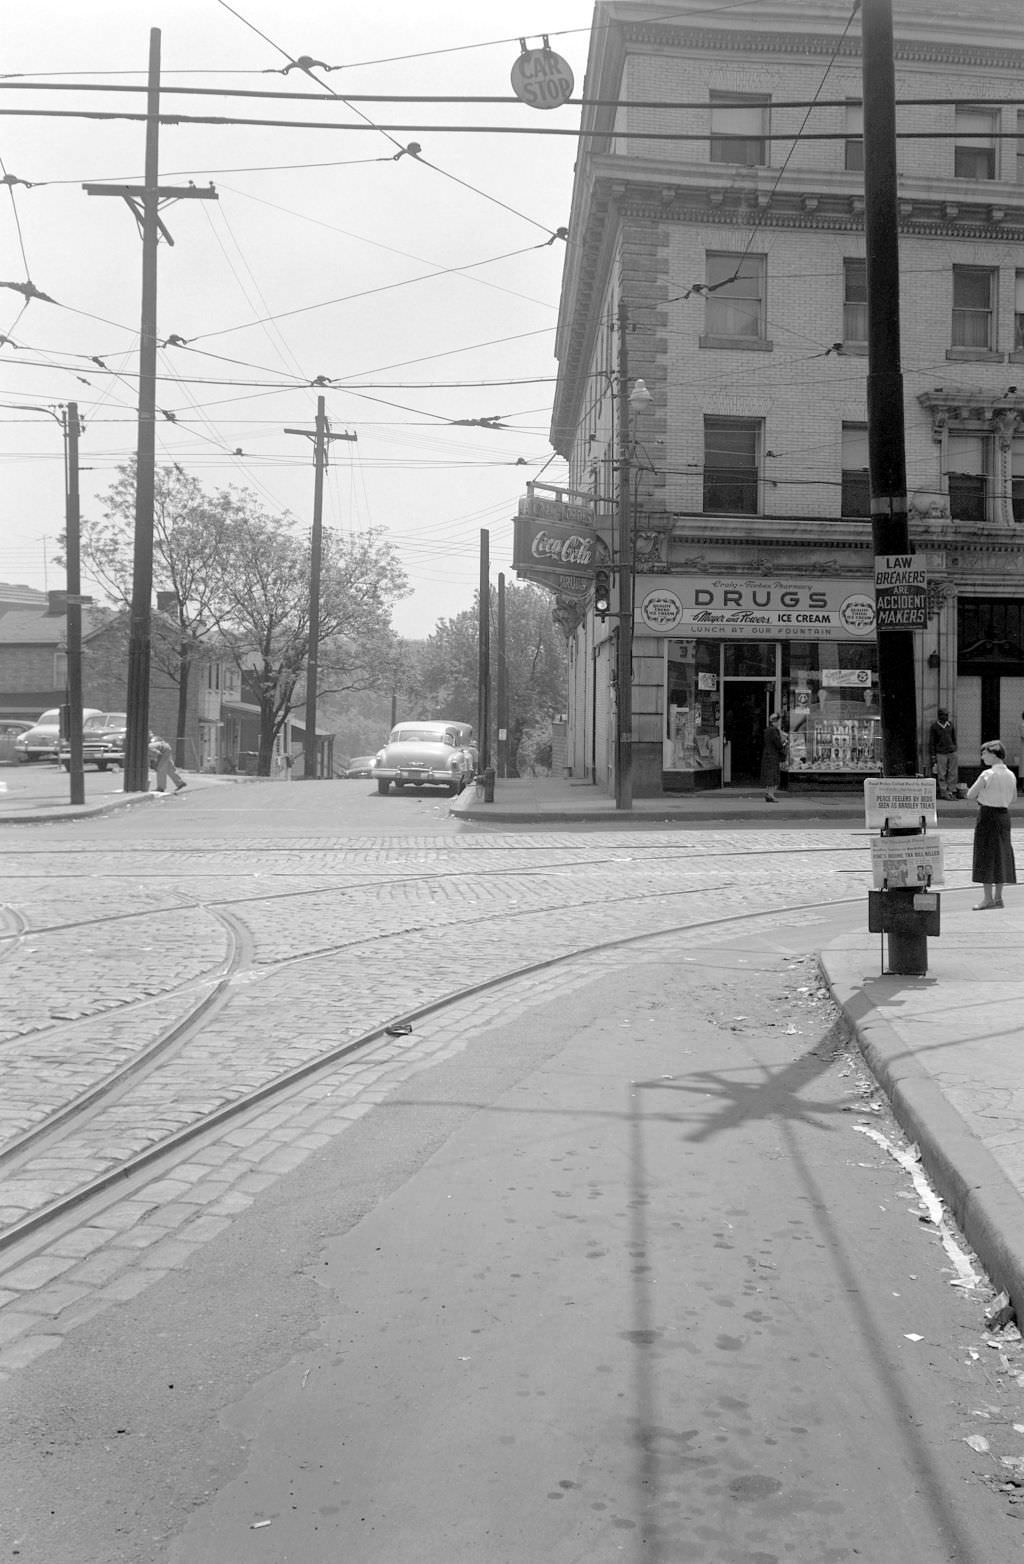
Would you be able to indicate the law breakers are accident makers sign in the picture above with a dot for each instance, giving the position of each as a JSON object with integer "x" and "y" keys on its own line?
{"x": 901, "y": 592}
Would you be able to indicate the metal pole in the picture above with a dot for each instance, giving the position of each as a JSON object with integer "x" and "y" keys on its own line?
{"x": 624, "y": 665}
{"x": 136, "y": 754}
{"x": 484, "y": 665}
{"x": 502, "y": 681}
{"x": 74, "y": 605}
{"x": 310, "y": 757}
{"x": 886, "y": 444}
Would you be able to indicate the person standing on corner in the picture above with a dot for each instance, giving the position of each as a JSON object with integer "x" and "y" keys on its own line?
{"x": 993, "y": 863}
{"x": 161, "y": 758}
{"x": 942, "y": 744}
{"x": 772, "y": 755}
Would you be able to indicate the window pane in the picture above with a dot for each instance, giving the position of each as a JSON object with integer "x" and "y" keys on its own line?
{"x": 972, "y": 307}
{"x": 855, "y": 446}
{"x": 974, "y": 162}
{"x": 738, "y": 124}
{"x": 730, "y": 465}
{"x": 736, "y": 307}
{"x": 966, "y": 497}
{"x": 856, "y": 494}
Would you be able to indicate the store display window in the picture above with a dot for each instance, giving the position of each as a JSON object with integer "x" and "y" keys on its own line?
{"x": 693, "y": 707}
{"x": 830, "y": 707}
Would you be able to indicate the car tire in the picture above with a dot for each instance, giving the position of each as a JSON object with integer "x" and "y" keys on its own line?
{"x": 382, "y": 786}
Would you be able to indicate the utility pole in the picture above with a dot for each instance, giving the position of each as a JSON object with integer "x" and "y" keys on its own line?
{"x": 145, "y": 202}
{"x": 886, "y": 444}
{"x": 484, "y": 651}
{"x": 624, "y": 660}
{"x": 321, "y": 437}
{"x": 73, "y": 633}
{"x": 502, "y": 681}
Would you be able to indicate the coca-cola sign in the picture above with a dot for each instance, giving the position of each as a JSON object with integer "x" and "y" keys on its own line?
{"x": 556, "y": 546}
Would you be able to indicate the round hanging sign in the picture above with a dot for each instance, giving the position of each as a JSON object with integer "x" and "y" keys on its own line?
{"x": 542, "y": 79}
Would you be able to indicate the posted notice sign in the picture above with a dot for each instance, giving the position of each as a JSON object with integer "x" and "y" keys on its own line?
{"x": 906, "y": 861}
{"x": 901, "y": 592}
{"x": 899, "y": 801}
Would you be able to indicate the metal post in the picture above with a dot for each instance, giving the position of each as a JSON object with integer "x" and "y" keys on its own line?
{"x": 484, "y": 651}
{"x": 624, "y": 663}
{"x": 502, "y": 681}
{"x": 74, "y": 603}
{"x": 886, "y": 442}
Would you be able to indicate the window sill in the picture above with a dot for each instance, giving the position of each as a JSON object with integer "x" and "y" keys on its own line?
{"x": 738, "y": 344}
{"x": 975, "y": 355}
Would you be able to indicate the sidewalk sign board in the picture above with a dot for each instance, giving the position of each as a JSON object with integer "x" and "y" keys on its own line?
{"x": 900, "y": 862}
{"x": 899, "y": 802}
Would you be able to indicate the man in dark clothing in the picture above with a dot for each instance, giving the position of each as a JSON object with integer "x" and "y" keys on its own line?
{"x": 942, "y": 743}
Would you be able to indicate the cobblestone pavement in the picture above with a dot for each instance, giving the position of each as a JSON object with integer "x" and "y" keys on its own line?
{"x": 211, "y": 970}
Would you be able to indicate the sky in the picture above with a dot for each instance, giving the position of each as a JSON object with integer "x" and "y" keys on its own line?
{"x": 427, "y": 285}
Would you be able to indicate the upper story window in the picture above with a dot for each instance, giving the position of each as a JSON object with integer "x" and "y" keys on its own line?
{"x": 739, "y": 128}
{"x": 855, "y": 300}
{"x": 1017, "y": 480}
{"x": 856, "y": 495}
{"x": 974, "y": 157}
{"x": 854, "y": 145}
{"x": 1018, "y": 312}
{"x": 967, "y": 467}
{"x": 1020, "y": 146}
{"x": 732, "y": 453}
{"x": 974, "y": 315}
{"x": 735, "y": 301}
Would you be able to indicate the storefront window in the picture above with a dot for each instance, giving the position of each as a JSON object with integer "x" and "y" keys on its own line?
{"x": 830, "y": 707}
{"x": 693, "y": 707}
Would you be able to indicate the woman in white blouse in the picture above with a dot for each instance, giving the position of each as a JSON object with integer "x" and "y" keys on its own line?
{"x": 994, "y": 792}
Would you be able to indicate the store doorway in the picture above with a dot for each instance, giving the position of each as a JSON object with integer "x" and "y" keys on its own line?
{"x": 746, "y": 707}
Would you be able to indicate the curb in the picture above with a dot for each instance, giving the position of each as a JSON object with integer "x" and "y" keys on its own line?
{"x": 56, "y": 813}
{"x": 984, "y": 1204}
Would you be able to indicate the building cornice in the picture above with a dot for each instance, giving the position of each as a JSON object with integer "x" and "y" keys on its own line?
{"x": 913, "y": 50}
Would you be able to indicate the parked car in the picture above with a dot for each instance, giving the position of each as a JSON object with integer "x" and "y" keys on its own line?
{"x": 41, "y": 741}
{"x": 11, "y": 728}
{"x": 103, "y": 736}
{"x": 361, "y": 766}
{"x": 426, "y": 754}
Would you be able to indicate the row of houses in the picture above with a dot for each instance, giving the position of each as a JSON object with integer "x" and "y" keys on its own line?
{"x": 222, "y": 715}
{"x": 718, "y": 208}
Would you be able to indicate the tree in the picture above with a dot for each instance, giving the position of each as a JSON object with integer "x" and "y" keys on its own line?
{"x": 237, "y": 581}
{"x": 263, "y": 613}
{"x": 188, "y": 527}
{"x": 536, "y": 665}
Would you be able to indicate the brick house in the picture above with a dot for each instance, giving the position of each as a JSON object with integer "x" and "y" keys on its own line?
{"x": 739, "y": 257}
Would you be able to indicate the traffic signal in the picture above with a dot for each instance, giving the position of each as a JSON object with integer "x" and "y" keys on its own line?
{"x": 602, "y": 593}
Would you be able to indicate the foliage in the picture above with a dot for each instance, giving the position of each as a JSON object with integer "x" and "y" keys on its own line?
{"x": 536, "y": 667}
{"x": 240, "y": 581}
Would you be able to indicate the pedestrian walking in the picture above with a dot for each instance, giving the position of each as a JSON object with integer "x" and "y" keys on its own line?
{"x": 942, "y": 748}
{"x": 1020, "y": 752}
{"x": 772, "y": 755}
{"x": 993, "y": 863}
{"x": 161, "y": 759}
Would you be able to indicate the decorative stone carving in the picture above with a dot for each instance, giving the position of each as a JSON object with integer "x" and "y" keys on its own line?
{"x": 568, "y": 616}
{"x": 927, "y": 506}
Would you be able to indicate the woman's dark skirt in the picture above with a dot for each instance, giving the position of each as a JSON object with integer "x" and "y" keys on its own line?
{"x": 993, "y": 850}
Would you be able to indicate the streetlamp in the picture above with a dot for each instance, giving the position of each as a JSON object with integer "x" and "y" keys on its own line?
{"x": 631, "y": 403}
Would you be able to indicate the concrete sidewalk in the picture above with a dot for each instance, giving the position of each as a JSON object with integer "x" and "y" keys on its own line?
{"x": 40, "y": 794}
{"x": 550, "y": 800}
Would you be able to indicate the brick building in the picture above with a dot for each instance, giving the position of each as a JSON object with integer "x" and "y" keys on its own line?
{"x": 719, "y": 197}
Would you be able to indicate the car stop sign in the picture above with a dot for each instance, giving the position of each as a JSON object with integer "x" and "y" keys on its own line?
{"x": 542, "y": 79}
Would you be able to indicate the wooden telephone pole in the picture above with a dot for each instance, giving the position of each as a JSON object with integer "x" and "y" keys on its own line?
{"x": 321, "y": 437}
{"x": 145, "y": 201}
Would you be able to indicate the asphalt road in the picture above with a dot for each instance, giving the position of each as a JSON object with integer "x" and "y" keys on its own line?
{"x": 611, "y": 1262}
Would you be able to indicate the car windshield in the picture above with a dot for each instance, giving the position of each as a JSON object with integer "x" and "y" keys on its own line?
{"x": 420, "y": 736}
